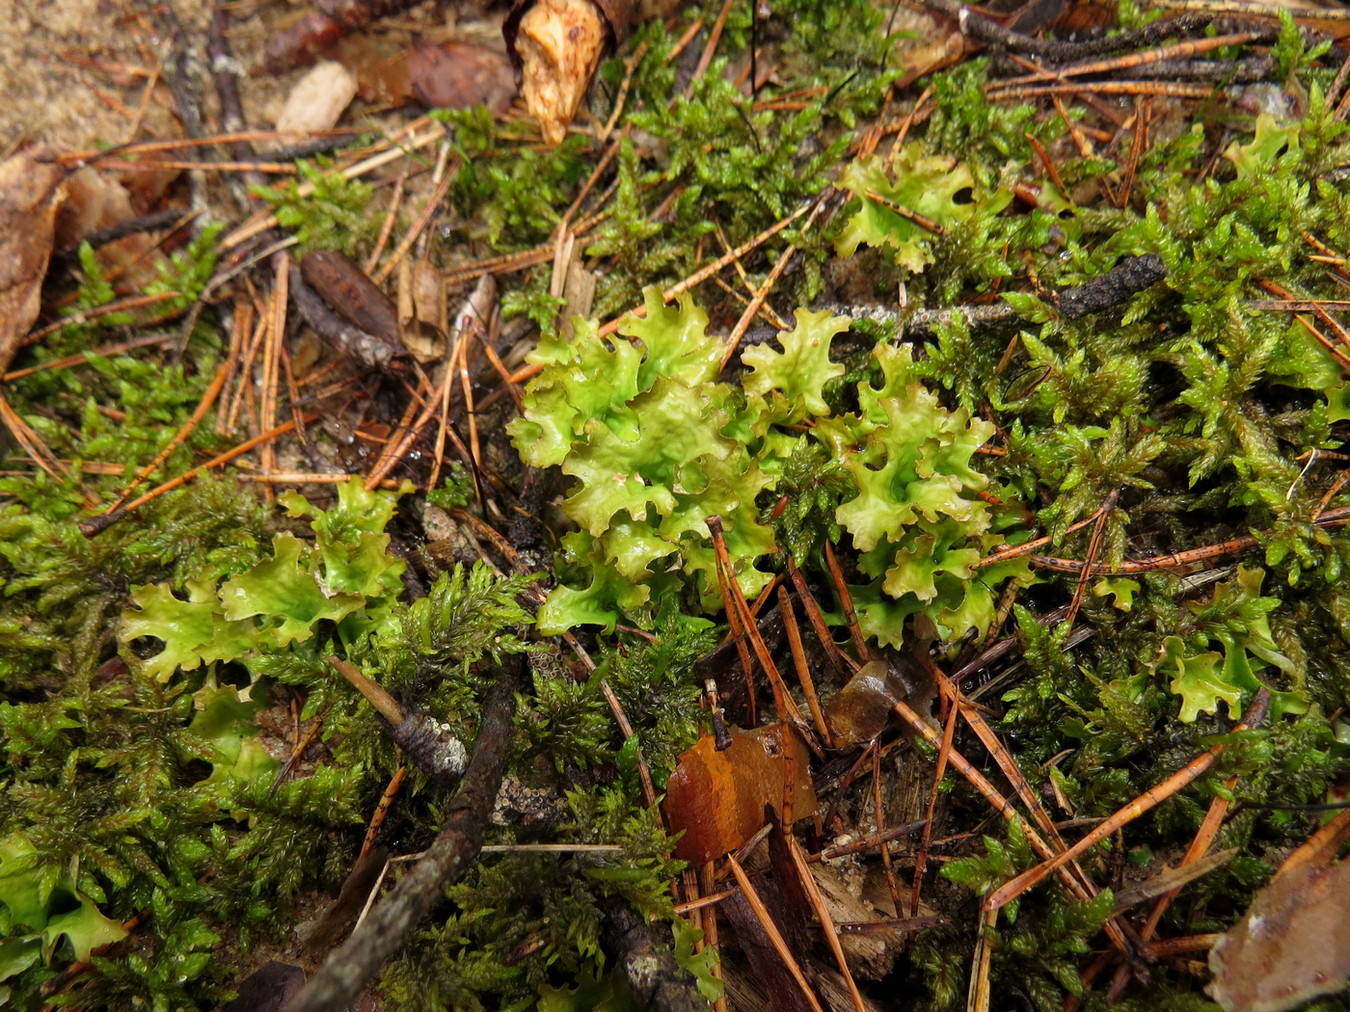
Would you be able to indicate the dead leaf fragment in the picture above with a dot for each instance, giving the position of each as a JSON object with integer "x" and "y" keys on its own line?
{"x": 718, "y": 798}
{"x": 30, "y": 190}
{"x": 456, "y": 75}
{"x": 422, "y": 313}
{"x": 1291, "y": 944}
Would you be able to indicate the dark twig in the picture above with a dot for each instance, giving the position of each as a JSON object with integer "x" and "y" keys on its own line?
{"x": 155, "y": 220}
{"x": 185, "y": 75}
{"x": 660, "y": 983}
{"x": 381, "y": 935}
{"x": 225, "y": 70}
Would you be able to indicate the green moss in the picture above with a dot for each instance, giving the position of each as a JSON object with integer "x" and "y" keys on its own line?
{"x": 333, "y": 216}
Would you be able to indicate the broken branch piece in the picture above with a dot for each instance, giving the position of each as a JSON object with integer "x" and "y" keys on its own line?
{"x": 428, "y": 743}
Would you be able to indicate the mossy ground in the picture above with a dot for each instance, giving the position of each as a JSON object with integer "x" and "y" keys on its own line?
{"x": 1206, "y": 411}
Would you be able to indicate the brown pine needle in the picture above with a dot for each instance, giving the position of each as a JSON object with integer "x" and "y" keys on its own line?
{"x": 794, "y": 635}
{"x": 846, "y": 603}
{"x": 207, "y": 402}
{"x": 103, "y": 521}
{"x": 1147, "y": 801}
{"x": 381, "y": 811}
{"x": 771, "y": 930}
{"x": 808, "y": 882}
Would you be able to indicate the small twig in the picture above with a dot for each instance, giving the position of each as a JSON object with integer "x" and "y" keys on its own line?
{"x": 1338, "y": 517}
{"x": 381, "y": 935}
{"x": 977, "y": 26}
{"x": 771, "y": 930}
{"x": 103, "y": 521}
{"x": 376, "y": 696}
{"x": 998, "y": 92}
{"x": 1179, "y": 52}
{"x": 225, "y": 71}
{"x": 1127, "y": 278}
{"x": 1150, "y": 799}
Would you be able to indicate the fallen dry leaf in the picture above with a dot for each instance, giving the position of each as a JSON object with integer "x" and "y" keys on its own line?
{"x": 718, "y": 798}
{"x": 30, "y": 190}
{"x": 456, "y": 75}
{"x": 1290, "y": 945}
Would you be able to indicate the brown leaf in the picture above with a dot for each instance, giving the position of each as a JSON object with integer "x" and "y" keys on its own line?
{"x": 457, "y": 75}
{"x": 718, "y": 798}
{"x": 30, "y": 190}
{"x": 1291, "y": 944}
{"x": 353, "y": 296}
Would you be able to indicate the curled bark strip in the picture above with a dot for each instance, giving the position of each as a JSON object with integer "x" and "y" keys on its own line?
{"x": 555, "y": 47}
{"x": 381, "y": 935}
{"x": 365, "y": 347}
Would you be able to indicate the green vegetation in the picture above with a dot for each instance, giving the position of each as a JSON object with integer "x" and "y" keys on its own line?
{"x": 332, "y": 216}
{"x": 148, "y": 673}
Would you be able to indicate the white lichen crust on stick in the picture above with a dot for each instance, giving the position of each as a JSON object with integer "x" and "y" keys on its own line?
{"x": 555, "y": 47}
